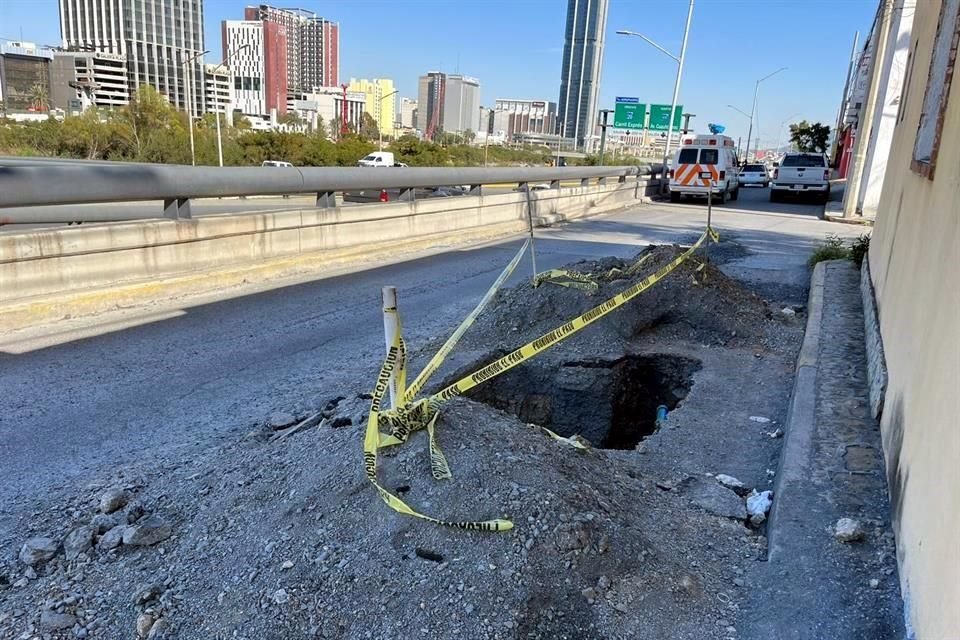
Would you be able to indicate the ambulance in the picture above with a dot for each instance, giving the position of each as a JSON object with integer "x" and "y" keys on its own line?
{"x": 705, "y": 164}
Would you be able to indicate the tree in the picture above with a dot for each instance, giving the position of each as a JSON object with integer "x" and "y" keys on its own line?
{"x": 335, "y": 127}
{"x": 155, "y": 130}
{"x": 810, "y": 138}
{"x": 39, "y": 97}
{"x": 469, "y": 136}
{"x": 368, "y": 127}
{"x": 321, "y": 129}
{"x": 290, "y": 119}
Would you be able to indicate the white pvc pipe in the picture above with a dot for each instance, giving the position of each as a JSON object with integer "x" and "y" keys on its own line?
{"x": 391, "y": 324}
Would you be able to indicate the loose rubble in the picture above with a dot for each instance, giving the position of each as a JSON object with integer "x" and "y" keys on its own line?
{"x": 848, "y": 530}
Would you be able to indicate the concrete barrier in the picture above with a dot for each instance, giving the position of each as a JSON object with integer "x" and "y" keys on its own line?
{"x": 46, "y": 274}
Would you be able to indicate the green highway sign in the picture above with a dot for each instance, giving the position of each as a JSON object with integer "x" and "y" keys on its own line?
{"x": 660, "y": 117}
{"x": 629, "y": 114}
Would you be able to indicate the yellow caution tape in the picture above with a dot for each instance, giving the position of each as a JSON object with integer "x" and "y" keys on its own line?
{"x": 371, "y": 442}
{"x": 562, "y": 332}
{"x": 409, "y": 416}
{"x": 565, "y": 278}
{"x": 586, "y": 282}
{"x": 451, "y": 342}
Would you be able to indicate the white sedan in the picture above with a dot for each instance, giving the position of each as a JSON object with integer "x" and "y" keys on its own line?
{"x": 754, "y": 174}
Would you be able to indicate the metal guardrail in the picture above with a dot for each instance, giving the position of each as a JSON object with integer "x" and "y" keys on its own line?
{"x": 85, "y": 182}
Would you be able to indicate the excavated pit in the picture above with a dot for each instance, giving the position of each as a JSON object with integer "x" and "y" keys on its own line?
{"x": 611, "y": 403}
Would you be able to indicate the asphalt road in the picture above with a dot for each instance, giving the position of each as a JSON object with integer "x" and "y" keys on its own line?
{"x": 84, "y": 395}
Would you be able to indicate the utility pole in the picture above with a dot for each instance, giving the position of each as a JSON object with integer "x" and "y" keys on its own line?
{"x": 851, "y": 195}
{"x": 604, "y": 113}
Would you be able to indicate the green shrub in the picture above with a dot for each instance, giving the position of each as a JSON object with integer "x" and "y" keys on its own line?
{"x": 833, "y": 248}
{"x": 859, "y": 248}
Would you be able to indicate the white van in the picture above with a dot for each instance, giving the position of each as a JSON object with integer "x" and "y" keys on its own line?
{"x": 379, "y": 159}
{"x": 275, "y": 163}
{"x": 698, "y": 156}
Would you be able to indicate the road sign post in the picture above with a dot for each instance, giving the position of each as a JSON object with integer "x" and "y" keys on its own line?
{"x": 604, "y": 113}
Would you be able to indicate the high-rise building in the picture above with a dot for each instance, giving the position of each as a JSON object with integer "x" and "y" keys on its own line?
{"x": 218, "y": 86}
{"x": 408, "y": 113}
{"x": 84, "y": 79}
{"x": 511, "y": 117}
{"x": 161, "y": 40}
{"x": 25, "y": 77}
{"x": 580, "y": 72}
{"x": 313, "y": 46}
{"x": 448, "y": 103}
{"x": 381, "y": 101}
{"x": 461, "y": 109}
{"x": 430, "y": 111}
{"x": 257, "y": 51}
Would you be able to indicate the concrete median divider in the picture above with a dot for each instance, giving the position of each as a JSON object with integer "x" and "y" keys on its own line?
{"x": 49, "y": 274}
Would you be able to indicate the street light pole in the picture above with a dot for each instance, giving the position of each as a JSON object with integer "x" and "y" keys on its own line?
{"x": 780, "y": 130}
{"x": 676, "y": 86}
{"x": 563, "y": 131}
{"x": 753, "y": 110}
{"x": 189, "y": 102}
{"x": 226, "y": 59}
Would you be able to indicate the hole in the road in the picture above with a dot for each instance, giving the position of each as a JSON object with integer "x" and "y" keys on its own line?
{"x": 611, "y": 403}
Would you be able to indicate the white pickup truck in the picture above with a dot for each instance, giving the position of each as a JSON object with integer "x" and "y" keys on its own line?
{"x": 801, "y": 174}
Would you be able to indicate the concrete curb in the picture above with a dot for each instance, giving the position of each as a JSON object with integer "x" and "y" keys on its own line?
{"x": 801, "y": 416}
{"x": 833, "y": 212}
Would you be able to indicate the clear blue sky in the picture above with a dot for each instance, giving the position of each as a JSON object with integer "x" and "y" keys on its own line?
{"x": 514, "y": 48}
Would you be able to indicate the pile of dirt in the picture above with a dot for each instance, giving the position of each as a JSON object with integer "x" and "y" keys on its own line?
{"x": 696, "y": 302}
{"x": 281, "y": 539}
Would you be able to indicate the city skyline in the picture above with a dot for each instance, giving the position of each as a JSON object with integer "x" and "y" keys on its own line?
{"x": 534, "y": 36}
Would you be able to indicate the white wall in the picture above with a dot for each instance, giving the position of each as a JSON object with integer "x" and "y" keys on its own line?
{"x": 893, "y": 69}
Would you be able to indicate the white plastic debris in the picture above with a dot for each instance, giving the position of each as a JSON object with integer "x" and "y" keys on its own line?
{"x": 758, "y": 504}
{"x": 760, "y": 419}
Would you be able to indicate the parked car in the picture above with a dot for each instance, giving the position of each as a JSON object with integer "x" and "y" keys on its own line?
{"x": 392, "y": 195}
{"x": 379, "y": 159}
{"x": 801, "y": 174}
{"x": 754, "y": 174}
{"x": 275, "y": 163}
